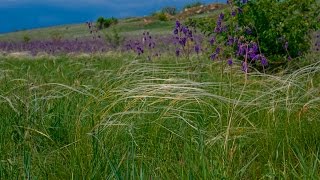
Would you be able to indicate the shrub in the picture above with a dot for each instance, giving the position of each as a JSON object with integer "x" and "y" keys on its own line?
{"x": 169, "y": 10}
{"x": 282, "y": 29}
{"x": 162, "y": 16}
{"x": 26, "y": 38}
{"x": 100, "y": 22}
{"x": 114, "y": 39}
{"x": 56, "y": 36}
{"x": 106, "y": 22}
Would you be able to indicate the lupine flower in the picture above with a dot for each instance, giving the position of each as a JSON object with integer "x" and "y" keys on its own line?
{"x": 213, "y": 56}
{"x": 197, "y": 48}
{"x": 176, "y": 31}
{"x": 248, "y": 31}
{"x": 264, "y": 61}
{"x": 233, "y": 13}
{"x": 230, "y": 41}
{"x": 230, "y": 62}
{"x": 178, "y": 24}
{"x": 177, "y": 52}
{"x": 212, "y": 40}
{"x": 218, "y": 50}
{"x": 221, "y": 16}
{"x": 244, "y": 67}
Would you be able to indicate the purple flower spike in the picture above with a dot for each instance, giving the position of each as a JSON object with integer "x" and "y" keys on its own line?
{"x": 178, "y": 24}
{"x": 212, "y": 40}
{"x": 244, "y": 67}
{"x": 230, "y": 41}
{"x": 177, "y": 52}
{"x": 176, "y": 31}
{"x": 197, "y": 48}
{"x": 221, "y": 16}
{"x": 230, "y": 62}
{"x": 233, "y": 13}
{"x": 218, "y": 50}
{"x": 264, "y": 61}
{"x": 213, "y": 56}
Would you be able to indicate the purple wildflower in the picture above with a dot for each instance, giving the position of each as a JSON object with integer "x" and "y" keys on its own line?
{"x": 230, "y": 62}
{"x": 176, "y": 31}
{"x": 221, "y": 16}
{"x": 218, "y": 50}
{"x": 230, "y": 41}
{"x": 178, "y": 24}
{"x": 177, "y": 52}
{"x": 233, "y": 13}
{"x": 244, "y": 67}
{"x": 213, "y": 56}
{"x": 264, "y": 61}
{"x": 197, "y": 48}
{"x": 212, "y": 40}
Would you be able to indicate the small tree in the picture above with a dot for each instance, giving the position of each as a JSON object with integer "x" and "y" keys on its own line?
{"x": 100, "y": 22}
{"x": 169, "y": 10}
{"x": 106, "y": 22}
{"x": 162, "y": 16}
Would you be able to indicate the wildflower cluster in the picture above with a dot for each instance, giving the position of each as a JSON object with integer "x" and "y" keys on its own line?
{"x": 183, "y": 40}
{"x": 144, "y": 46}
{"x": 247, "y": 32}
{"x": 94, "y": 31}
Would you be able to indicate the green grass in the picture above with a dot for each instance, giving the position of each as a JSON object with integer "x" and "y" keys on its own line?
{"x": 113, "y": 117}
{"x": 125, "y": 27}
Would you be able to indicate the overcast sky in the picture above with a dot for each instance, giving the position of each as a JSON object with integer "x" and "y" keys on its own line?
{"x": 25, "y": 14}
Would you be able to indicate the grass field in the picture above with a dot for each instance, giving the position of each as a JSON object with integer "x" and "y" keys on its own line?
{"x": 113, "y": 117}
{"x": 116, "y": 115}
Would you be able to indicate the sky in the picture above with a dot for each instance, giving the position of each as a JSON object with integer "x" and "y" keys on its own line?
{"x": 27, "y": 14}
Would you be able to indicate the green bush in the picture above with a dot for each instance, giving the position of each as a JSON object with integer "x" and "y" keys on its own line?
{"x": 56, "y": 36}
{"x": 169, "y": 10}
{"x": 275, "y": 23}
{"x": 281, "y": 28}
{"x": 106, "y": 22}
{"x": 114, "y": 38}
{"x": 26, "y": 38}
{"x": 162, "y": 16}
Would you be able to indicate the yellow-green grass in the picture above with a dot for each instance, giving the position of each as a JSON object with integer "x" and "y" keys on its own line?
{"x": 114, "y": 117}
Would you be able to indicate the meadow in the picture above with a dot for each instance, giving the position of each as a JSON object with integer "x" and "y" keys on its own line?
{"x": 127, "y": 114}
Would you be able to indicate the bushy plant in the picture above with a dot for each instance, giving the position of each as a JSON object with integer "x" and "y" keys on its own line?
{"x": 162, "y": 16}
{"x": 106, "y": 22}
{"x": 56, "y": 36}
{"x": 26, "y": 38}
{"x": 114, "y": 39}
{"x": 279, "y": 30}
{"x": 281, "y": 27}
{"x": 169, "y": 10}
